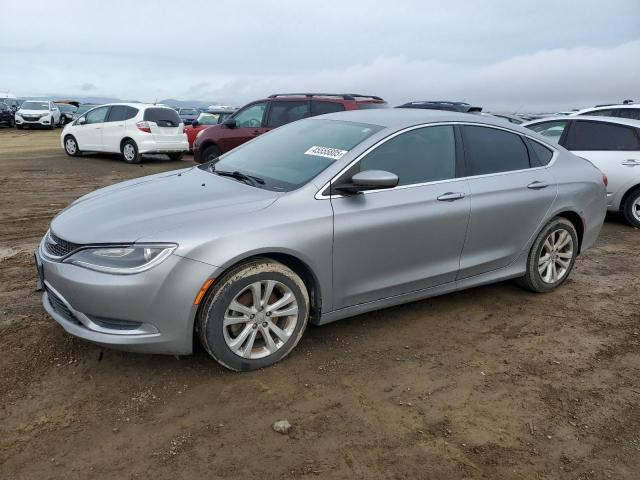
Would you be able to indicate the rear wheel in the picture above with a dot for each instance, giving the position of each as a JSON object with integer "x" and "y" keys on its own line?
{"x": 52, "y": 124}
{"x": 254, "y": 316}
{"x": 129, "y": 151}
{"x": 71, "y": 146}
{"x": 631, "y": 208}
{"x": 552, "y": 256}
{"x": 210, "y": 154}
{"x": 176, "y": 156}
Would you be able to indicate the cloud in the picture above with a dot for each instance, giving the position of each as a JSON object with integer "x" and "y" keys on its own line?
{"x": 87, "y": 87}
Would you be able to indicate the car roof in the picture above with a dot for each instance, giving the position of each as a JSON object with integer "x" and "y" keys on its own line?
{"x": 607, "y": 107}
{"x": 617, "y": 120}
{"x": 406, "y": 117}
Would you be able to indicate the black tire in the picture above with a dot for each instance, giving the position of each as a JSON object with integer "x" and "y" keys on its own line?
{"x": 69, "y": 142}
{"x": 12, "y": 123}
{"x": 213, "y": 334}
{"x": 210, "y": 154}
{"x": 176, "y": 156}
{"x": 52, "y": 125}
{"x": 631, "y": 208}
{"x": 129, "y": 151}
{"x": 533, "y": 279}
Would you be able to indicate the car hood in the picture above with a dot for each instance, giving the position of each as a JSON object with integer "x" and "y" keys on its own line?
{"x": 129, "y": 211}
{"x": 33, "y": 112}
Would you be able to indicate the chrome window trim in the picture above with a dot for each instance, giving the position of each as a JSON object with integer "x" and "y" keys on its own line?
{"x": 320, "y": 196}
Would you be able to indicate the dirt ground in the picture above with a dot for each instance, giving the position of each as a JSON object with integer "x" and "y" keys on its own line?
{"x": 493, "y": 383}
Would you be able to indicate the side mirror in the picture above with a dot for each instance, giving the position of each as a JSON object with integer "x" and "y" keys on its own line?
{"x": 369, "y": 180}
{"x": 229, "y": 122}
{"x": 194, "y": 124}
{"x": 82, "y": 121}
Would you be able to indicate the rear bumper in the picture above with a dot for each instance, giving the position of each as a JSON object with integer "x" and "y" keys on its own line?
{"x": 153, "y": 146}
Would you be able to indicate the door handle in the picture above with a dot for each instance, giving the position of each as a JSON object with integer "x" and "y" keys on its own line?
{"x": 631, "y": 162}
{"x": 451, "y": 196}
{"x": 537, "y": 185}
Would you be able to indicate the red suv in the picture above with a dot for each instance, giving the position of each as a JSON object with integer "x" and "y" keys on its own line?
{"x": 261, "y": 116}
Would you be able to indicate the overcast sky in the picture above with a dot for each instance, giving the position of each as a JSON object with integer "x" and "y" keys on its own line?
{"x": 503, "y": 55}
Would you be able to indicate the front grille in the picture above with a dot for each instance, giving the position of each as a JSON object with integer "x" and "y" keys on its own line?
{"x": 58, "y": 247}
{"x": 114, "y": 324}
{"x": 58, "y": 305}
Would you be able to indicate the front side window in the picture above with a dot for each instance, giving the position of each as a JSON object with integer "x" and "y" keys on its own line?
{"x": 585, "y": 135}
{"x": 282, "y": 113}
{"x": 421, "y": 155}
{"x": 96, "y": 115}
{"x": 490, "y": 150}
{"x": 288, "y": 157}
{"x": 552, "y": 130}
{"x": 251, "y": 116}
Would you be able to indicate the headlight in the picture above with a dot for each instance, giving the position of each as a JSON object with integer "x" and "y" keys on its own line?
{"x": 122, "y": 260}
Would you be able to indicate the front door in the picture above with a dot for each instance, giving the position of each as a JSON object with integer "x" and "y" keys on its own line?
{"x": 89, "y": 135}
{"x": 409, "y": 238}
{"x": 249, "y": 124}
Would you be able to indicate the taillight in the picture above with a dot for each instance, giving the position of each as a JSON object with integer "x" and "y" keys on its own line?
{"x": 144, "y": 127}
{"x": 605, "y": 180}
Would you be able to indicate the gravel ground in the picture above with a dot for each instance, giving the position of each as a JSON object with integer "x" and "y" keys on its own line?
{"x": 493, "y": 382}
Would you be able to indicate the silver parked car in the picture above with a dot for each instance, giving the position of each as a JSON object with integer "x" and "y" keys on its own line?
{"x": 612, "y": 145}
{"x": 318, "y": 220}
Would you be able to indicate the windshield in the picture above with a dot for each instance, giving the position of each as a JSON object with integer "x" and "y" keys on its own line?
{"x": 289, "y": 156}
{"x": 35, "y": 106}
{"x": 188, "y": 111}
{"x": 84, "y": 108}
{"x": 66, "y": 108}
{"x": 208, "y": 119}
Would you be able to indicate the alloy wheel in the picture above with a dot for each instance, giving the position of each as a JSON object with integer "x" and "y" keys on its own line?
{"x": 555, "y": 256}
{"x": 260, "y": 319}
{"x": 71, "y": 146}
{"x": 129, "y": 152}
{"x": 635, "y": 208}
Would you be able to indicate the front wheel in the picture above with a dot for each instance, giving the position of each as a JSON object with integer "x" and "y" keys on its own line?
{"x": 254, "y": 316}
{"x": 71, "y": 146}
{"x": 631, "y": 208}
{"x": 210, "y": 154}
{"x": 552, "y": 256}
{"x": 129, "y": 151}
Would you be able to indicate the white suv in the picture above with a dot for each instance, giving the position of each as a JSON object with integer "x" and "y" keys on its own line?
{"x": 131, "y": 129}
{"x": 628, "y": 110}
{"x": 38, "y": 113}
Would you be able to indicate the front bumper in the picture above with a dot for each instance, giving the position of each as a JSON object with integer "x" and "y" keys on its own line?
{"x": 149, "y": 312}
{"x": 41, "y": 122}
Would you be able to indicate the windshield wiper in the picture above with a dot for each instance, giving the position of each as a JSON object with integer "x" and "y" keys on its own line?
{"x": 238, "y": 176}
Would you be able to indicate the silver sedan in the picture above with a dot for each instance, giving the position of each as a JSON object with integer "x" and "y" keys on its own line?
{"x": 318, "y": 220}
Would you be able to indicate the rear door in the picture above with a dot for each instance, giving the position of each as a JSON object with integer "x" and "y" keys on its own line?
{"x": 113, "y": 130}
{"x": 613, "y": 148}
{"x": 250, "y": 122}
{"x": 408, "y": 238}
{"x": 510, "y": 197}
{"x": 282, "y": 112}
{"x": 165, "y": 123}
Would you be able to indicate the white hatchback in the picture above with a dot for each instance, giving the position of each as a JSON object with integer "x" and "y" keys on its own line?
{"x": 130, "y": 129}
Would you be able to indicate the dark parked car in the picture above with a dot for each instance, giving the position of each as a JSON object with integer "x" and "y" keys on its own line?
{"x": 461, "y": 107}
{"x": 83, "y": 108}
{"x": 6, "y": 115}
{"x": 68, "y": 110}
{"x": 261, "y": 116}
{"x": 188, "y": 115}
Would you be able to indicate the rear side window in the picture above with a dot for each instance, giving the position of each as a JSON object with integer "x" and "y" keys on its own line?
{"x": 632, "y": 113}
{"x": 417, "y": 156}
{"x": 163, "y": 117}
{"x": 542, "y": 154}
{"x": 371, "y": 105}
{"x": 320, "y": 108}
{"x": 282, "y": 113}
{"x": 592, "y": 136}
{"x": 121, "y": 112}
{"x": 607, "y": 112}
{"x": 489, "y": 150}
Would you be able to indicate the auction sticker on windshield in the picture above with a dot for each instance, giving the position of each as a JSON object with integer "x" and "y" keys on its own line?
{"x": 328, "y": 152}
